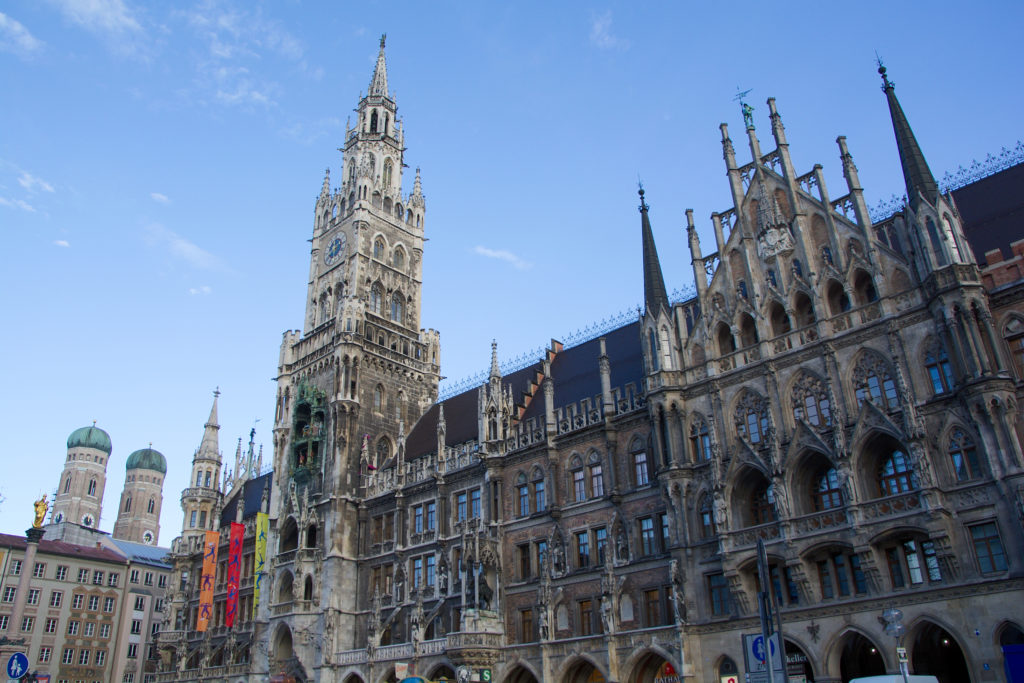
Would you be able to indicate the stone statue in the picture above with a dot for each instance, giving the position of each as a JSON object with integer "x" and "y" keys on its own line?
{"x": 721, "y": 512}
{"x": 919, "y": 461}
{"x": 621, "y": 545}
{"x": 678, "y": 596}
{"x": 442, "y": 579}
{"x": 607, "y": 620}
{"x": 41, "y": 508}
{"x": 544, "y": 635}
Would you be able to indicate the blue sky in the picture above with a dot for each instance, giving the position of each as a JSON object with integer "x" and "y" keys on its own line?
{"x": 159, "y": 164}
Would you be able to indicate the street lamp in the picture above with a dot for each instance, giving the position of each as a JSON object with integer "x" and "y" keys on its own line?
{"x": 893, "y": 619}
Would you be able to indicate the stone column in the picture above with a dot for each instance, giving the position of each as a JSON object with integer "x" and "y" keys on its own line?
{"x": 32, "y": 538}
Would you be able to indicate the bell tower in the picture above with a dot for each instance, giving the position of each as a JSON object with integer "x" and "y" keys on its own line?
{"x": 361, "y": 371}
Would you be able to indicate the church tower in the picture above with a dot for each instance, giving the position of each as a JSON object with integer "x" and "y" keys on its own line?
{"x": 80, "y": 494}
{"x": 201, "y": 500}
{"x": 138, "y": 516}
{"x": 362, "y": 370}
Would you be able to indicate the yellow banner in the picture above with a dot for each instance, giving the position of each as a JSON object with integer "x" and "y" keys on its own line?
{"x": 260, "y": 567}
{"x": 206, "y": 581}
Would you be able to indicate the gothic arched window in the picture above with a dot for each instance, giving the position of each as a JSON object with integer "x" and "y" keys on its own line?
{"x": 707, "y": 518}
{"x": 963, "y": 456}
{"x": 397, "y": 307}
{"x": 92, "y": 487}
{"x": 377, "y": 299}
{"x": 652, "y": 343}
{"x": 895, "y": 476}
{"x": 67, "y": 484}
{"x": 810, "y": 401}
{"x": 873, "y": 382}
{"x": 752, "y": 417}
{"x": 522, "y": 496}
{"x": 128, "y": 504}
{"x": 398, "y": 260}
{"x": 378, "y": 248}
{"x": 762, "y": 504}
{"x": 700, "y": 440}
{"x": 936, "y": 362}
{"x": 152, "y": 506}
{"x": 378, "y": 398}
{"x": 387, "y": 174}
{"x": 383, "y": 451}
{"x": 827, "y": 494}
{"x": 936, "y": 243}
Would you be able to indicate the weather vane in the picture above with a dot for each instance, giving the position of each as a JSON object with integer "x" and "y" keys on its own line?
{"x": 748, "y": 111}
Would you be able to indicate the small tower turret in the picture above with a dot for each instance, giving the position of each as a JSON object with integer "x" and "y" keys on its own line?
{"x": 201, "y": 500}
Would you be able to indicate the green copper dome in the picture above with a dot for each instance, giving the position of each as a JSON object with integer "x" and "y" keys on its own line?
{"x": 147, "y": 459}
{"x": 90, "y": 437}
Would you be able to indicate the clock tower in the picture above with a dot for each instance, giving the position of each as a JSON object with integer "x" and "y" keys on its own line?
{"x": 362, "y": 371}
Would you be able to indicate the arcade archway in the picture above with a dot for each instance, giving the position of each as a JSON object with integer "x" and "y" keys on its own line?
{"x": 860, "y": 657}
{"x": 583, "y": 672}
{"x": 442, "y": 672}
{"x": 936, "y": 652}
{"x": 520, "y": 674}
{"x": 653, "y": 667}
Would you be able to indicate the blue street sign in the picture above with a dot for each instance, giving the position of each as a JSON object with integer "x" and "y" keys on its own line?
{"x": 17, "y": 665}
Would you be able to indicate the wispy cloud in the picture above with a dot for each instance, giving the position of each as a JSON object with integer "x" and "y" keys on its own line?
{"x": 503, "y": 255}
{"x": 17, "y": 39}
{"x": 205, "y": 289}
{"x": 160, "y": 198}
{"x": 32, "y": 183}
{"x": 62, "y": 243}
{"x": 100, "y": 16}
{"x": 601, "y": 33}
{"x": 17, "y": 204}
{"x": 162, "y": 238}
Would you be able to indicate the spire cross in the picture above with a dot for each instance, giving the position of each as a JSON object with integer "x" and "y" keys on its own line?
{"x": 640, "y": 191}
{"x": 383, "y": 37}
{"x": 216, "y": 392}
{"x": 886, "y": 83}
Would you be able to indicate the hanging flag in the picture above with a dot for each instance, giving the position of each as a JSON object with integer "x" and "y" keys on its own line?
{"x": 262, "y": 523}
{"x": 234, "y": 570}
{"x": 206, "y": 580}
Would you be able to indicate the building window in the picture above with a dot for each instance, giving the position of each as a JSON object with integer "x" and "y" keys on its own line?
{"x": 912, "y": 562}
{"x": 39, "y": 570}
{"x": 582, "y": 549}
{"x": 666, "y": 541}
{"x": 600, "y": 544}
{"x": 27, "y": 623}
{"x": 44, "y": 655}
{"x": 397, "y": 307}
{"x": 92, "y": 487}
{"x": 417, "y": 519}
{"x": 460, "y": 506}
{"x": 97, "y": 578}
{"x": 523, "y": 551}
{"x": 133, "y": 651}
{"x": 113, "y": 579}
{"x": 62, "y": 573}
{"x": 700, "y": 441}
{"x": 140, "y": 603}
{"x": 88, "y": 628}
{"x": 751, "y": 417}
{"x": 810, "y": 401}
{"x": 108, "y": 604}
{"x": 129, "y": 677}
{"x": 827, "y": 493}
{"x": 840, "y": 575}
{"x": 101, "y": 657}
{"x": 895, "y": 475}
{"x": 652, "y": 608}
{"x": 936, "y": 362}
{"x": 378, "y": 249}
{"x": 647, "y": 536}
{"x": 77, "y": 601}
{"x": 586, "y": 609}
{"x": 762, "y": 504}
{"x": 133, "y": 576}
{"x": 33, "y": 596}
{"x": 542, "y": 555}
{"x": 94, "y": 602}
{"x": 377, "y": 299}
{"x": 474, "y": 503}
{"x": 161, "y": 581}
{"x": 83, "y": 657}
{"x": 50, "y": 626}
{"x": 596, "y": 481}
{"x": 83, "y": 576}
{"x": 640, "y": 468}
{"x": 417, "y": 572}
{"x": 431, "y": 516}
{"x": 522, "y": 496}
{"x": 540, "y": 500}
{"x": 988, "y": 548}
{"x": 430, "y": 570}
{"x": 718, "y": 593}
{"x": 69, "y": 655}
{"x": 963, "y": 456}
{"x": 104, "y": 630}
{"x": 526, "y": 625}
{"x": 55, "y": 598}
{"x": 579, "y": 486}
{"x": 874, "y": 383}
{"x": 4, "y": 619}
{"x": 707, "y": 518}
{"x": 147, "y": 579}
{"x": 73, "y": 628}
{"x": 16, "y": 567}
{"x": 9, "y": 592}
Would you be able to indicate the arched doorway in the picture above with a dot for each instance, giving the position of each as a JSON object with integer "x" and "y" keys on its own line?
{"x": 1011, "y": 639}
{"x": 443, "y": 672}
{"x": 583, "y": 672}
{"x": 653, "y": 667}
{"x": 520, "y": 674}
{"x": 935, "y": 652}
{"x": 860, "y": 657}
{"x": 797, "y": 662}
{"x": 353, "y": 678}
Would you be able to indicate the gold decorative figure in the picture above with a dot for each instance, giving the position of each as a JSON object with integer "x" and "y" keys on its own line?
{"x": 41, "y": 508}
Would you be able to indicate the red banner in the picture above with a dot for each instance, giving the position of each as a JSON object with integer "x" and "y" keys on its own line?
{"x": 234, "y": 569}
{"x": 207, "y": 579}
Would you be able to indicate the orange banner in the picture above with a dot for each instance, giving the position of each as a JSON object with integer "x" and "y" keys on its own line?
{"x": 206, "y": 581}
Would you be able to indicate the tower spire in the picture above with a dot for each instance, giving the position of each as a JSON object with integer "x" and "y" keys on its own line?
{"x": 655, "y": 296}
{"x": 919, "y": 179}
{"x": 379, "y": 80}
{"x": 210, "y": 444}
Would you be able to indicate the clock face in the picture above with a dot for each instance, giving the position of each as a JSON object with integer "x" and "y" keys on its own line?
{"x": 335, "y": 249}
{"x": 59, "y": 517}
{"x": 87, "y": 520}
{"x": 147, "y": 538}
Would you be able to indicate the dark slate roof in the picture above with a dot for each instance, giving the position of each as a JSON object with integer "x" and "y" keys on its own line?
{"x": 62, "y": 548}
{"x": 252, "y": 492}
{"x": 916, "y": 173}
{"x": 992, "y": 210}
{"x": 575, "y": 372}
{"x": 142, "y": 553}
